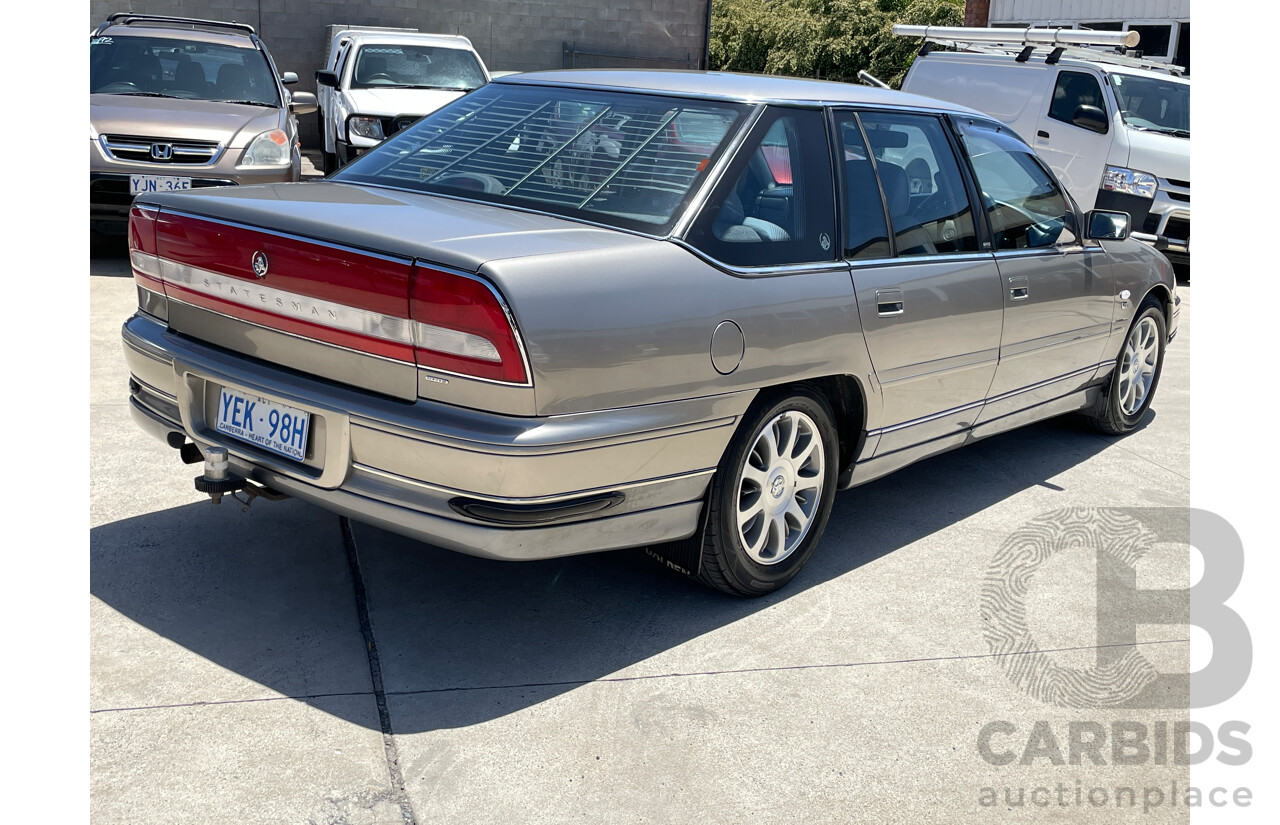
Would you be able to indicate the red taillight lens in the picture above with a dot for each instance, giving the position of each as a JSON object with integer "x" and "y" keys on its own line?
{"x": 142, "y": 228}
{"x": 142, "y": 247}
{"x": 461, "y": 326}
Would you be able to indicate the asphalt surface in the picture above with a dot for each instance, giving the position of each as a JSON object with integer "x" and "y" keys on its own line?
{"x": 281, "y": 666}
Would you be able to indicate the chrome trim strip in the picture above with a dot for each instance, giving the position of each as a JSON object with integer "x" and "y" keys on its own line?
{"x": 893, "y": 428}
{"x": 287, "y": 304}
{"x": 1003, "y": 396}
{"x": 1059, "y": 339}
{"x": 1038, "y": 385}
{"x": 939, "y": 366}
{"x": 448, "y": 491}
{"x": 385, "y": 256}
{"x": 760, "y": 271}
{"x": 127, "y": 143}
{"x": 277, "y": 331}
{"x": 156, "y": 391}
{"x": 1047, "y": 251}
{"x": 911, "y": 260}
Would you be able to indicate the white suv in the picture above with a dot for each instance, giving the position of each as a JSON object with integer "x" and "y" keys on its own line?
{"x": 376, "y": 82}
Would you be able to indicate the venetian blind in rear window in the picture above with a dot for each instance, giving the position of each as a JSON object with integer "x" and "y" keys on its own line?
{"x": 627, "y": 160}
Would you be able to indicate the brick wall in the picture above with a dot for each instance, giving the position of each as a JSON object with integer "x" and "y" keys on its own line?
{"x": 510, "y": 35}
{"x": 977, "y": 12}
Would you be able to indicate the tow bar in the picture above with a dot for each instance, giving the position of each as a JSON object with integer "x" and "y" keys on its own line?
{"x": 218, "y": 480}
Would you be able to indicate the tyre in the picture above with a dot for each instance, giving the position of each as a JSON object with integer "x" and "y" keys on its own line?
{"x": 1136, "y": 374}
{"x": 330, "y": 162}
{"x": 771, "y": 496}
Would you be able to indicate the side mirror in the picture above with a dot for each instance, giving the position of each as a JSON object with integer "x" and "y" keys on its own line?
{"x": 327, "y": 78}
{"x": 302, "y": 103}
{"x": 1108, "y": 226}
{"x": 289, "y": 78}
{"x": 1091, "y": 118}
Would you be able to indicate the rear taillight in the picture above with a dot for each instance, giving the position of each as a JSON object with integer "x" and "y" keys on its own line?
{"x": 461, "y": 326}
{"x": 142, "y": 247}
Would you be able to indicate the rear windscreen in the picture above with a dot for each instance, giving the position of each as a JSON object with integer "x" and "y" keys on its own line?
{"x": 629, "y": 160}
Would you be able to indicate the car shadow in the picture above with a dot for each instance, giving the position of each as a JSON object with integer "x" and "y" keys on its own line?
{"x": 450, "y": 628}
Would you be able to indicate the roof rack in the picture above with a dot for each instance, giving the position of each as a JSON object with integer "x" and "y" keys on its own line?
{"x": 1060, "y": 42}
{"x": 128, "y": 18}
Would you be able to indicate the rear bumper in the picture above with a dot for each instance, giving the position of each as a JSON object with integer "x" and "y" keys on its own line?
{"x": 503, "y": 487}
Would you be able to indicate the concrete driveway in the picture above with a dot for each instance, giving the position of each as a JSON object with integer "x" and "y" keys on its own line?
{"x": 282, "y": 666}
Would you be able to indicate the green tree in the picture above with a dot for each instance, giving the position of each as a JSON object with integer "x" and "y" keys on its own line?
{"x": 831, "y": 39}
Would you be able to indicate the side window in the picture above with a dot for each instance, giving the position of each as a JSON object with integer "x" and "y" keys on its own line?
{"x": 1024, "y": 203}
{"x": 775, "y": 204}
{"x": 929, "y": 208}
{"x": 1071, "y": 90}
{"x": 866, "y": 235}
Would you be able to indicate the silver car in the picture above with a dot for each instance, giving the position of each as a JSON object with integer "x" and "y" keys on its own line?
{"x": 578, "y": 311}
{"x": 178, "y": 103}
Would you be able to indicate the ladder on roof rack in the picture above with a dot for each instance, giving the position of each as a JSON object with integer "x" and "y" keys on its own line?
{"x": 128, "y": 18}
{"x": 1024, "y": 43}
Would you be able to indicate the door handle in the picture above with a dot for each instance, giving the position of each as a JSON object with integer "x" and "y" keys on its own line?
{"x": 1041, "y": 133}
{"x": 888, "y": 302}
{"x": 1019, "y": 290}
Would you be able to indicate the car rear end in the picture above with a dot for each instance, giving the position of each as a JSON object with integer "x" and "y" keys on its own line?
{"x": 397, "y": 389}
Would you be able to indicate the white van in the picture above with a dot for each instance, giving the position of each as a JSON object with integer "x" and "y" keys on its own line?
{"x": 376, "y": 82}
{"x": 1115, "y": 130}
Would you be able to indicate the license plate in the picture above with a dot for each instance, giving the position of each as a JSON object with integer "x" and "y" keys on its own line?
{"x": 157, "y": 183}
{"x": 269, "y": 424}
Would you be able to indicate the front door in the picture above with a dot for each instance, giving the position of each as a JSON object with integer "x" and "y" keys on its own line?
{"x": 1057, "y": 290}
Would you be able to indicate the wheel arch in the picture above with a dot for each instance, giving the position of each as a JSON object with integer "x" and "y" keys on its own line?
{"x": 1164, "y": 295}
{"x": 848, "y": 401}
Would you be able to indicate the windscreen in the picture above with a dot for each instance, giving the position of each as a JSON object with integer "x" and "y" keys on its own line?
{"x": 415, "y": 67}
{"x": 1153, "y": 104}
{"x": 628, "y": 160}
{"x": 173, "y": 67}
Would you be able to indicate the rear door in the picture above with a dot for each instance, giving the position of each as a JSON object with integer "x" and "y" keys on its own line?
{"x": 929, "y": 297}
{"x": 1057, "y": 290}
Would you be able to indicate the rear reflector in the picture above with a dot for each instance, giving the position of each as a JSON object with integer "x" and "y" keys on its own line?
{"x": 462, "y": 327}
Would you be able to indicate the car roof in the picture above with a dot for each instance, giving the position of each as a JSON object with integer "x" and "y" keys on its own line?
{"x": 194, "y": 35}
{"x": 451, "y": 41}
{"x": 747, "y": 88}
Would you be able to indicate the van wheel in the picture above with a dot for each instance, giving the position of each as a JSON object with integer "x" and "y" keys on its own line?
{"x": 771, "y": 496}
{"x": 330, "y": 162}
{"x": 1136, "y": 373}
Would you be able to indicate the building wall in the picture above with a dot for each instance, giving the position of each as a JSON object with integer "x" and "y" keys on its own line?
{"x": 510, "y": 35}
{"x": 1017, "y": 11}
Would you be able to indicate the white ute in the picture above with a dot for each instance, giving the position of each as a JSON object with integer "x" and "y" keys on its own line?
{"x": 377, "y": 82}
{"x": 1116, "y": 130}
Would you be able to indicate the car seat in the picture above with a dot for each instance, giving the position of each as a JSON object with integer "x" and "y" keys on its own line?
{"x": 911, "y": 238}
{"x": 233, "y": 82}
{"x": 733, "y": 225}
{"x": 189, "y": 77}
